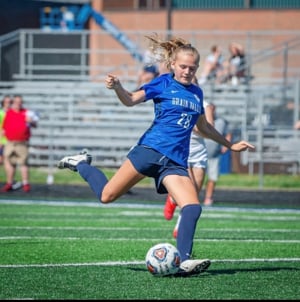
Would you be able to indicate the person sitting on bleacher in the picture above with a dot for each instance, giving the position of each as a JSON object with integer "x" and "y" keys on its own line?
{"x": 235, "y": 66}
{"x": 213, "y": 66}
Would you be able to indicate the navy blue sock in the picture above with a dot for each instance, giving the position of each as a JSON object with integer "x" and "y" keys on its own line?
{"x": 95, "y": 178}
{"x": 186, "y": 230}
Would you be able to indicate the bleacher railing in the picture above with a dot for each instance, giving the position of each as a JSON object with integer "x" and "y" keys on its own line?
{"x": 46, "y": 55}
{"x": 77, "y": 110}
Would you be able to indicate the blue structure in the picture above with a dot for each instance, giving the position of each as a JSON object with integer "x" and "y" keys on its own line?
{"x": 74, "y": 18}
{"x": 58, "y": 18}
{"x": 225, "y": 163}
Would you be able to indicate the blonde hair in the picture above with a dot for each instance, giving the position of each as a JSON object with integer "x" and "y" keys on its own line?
{"x": 166, "y": 51}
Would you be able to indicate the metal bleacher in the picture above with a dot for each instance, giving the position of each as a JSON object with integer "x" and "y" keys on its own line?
{"x": 77, "y": 112}
{"x": 80, "y": 115}
{"x": 249, "y": 111}
{"x": 77, "y": 115}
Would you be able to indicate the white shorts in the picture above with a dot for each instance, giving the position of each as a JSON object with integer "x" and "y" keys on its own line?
{"x": 213, "y": 168}
{"x": 198, "y": 154}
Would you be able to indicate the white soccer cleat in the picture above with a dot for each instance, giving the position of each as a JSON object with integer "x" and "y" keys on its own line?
{"x": 192, "y": 267}
{"x": 71, "y": 162}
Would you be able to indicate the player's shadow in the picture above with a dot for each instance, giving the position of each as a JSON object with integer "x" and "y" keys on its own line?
{"x": 230, "y": 271}
{"x": 241, "y": 270}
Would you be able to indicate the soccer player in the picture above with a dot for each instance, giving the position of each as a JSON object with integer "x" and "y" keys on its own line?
{"x": 163, "y": 150}
{"x": 197, "y": 164}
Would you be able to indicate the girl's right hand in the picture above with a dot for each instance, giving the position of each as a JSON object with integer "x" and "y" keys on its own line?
{"x": 112, "y": 82}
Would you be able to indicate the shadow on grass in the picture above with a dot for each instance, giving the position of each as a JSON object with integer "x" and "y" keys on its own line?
{"x": 214, "y": 272}
{"x": 179, "y": 275}
{"x": 242, "y": 270}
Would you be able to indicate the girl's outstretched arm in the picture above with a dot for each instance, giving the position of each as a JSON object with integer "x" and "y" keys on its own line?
{"x": 127, "y": 98}
{"x": 208, "y": 131}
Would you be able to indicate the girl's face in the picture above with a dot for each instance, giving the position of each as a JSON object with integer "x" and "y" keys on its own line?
{"x": 185, "y": 67}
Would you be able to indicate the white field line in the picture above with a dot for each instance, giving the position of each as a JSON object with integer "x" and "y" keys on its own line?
{"x": 140, "y": 262}
{"x": 86, "y": 228}
{"x": 284, "y": 241}
{"x": 117, "y": 220}
{"x": 143, "y": 206}
{"x": 217, "y": 213}
{"x": 154, "y": 216}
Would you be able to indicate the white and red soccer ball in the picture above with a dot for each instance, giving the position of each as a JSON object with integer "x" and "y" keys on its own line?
{"x": 163, "y": 259}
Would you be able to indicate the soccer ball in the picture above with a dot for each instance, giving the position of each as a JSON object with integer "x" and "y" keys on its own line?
{"x": 163, "y": 259}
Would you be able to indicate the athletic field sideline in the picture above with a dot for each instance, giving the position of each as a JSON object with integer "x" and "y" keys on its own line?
{"x": 279, "y": 198}
{"x": 71, "y": 249}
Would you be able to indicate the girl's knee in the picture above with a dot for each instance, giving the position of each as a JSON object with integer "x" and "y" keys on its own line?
{"x": 107, "y": 196}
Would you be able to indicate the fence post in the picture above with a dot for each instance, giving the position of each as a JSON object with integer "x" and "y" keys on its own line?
{"x": 260, "y": 136}
{"x": 284, "y": 72}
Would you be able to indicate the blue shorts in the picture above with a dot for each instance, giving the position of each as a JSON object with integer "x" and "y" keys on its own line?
{"x": 153, "y": 164}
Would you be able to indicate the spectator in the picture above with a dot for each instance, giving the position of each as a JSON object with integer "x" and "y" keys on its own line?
{"x": 5, "y": 104}
{"x": 16, "y": 127}
{"x": 214, "y": 152}
{"x": 235, "y": 66}
{"x": 68, "y": 19}
{"x": 213, "y": 66}
{"x": 283, "y": 114}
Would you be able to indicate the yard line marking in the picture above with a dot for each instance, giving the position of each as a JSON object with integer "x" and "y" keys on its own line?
{"x": 142, "y": 239}
{"x": 154, "y": 218}
{"x": 155, "y": 205}
{"x": 258, "y": 260}
{"x": 244, "y": 217}
{"x": 140, "y": 262}
{"x": 157, "y": 214}
{"x": 79, "y": 228}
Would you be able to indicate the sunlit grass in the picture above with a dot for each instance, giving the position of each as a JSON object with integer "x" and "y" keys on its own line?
{"x": 232, "y": 180}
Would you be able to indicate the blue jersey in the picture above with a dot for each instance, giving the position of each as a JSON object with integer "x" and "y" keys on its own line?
{"x": 177, "y": 108}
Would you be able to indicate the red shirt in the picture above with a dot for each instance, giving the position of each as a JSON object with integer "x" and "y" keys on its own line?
{"x": 15, "y": 126}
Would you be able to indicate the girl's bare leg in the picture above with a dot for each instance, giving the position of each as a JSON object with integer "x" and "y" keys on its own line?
{"x": 182, "y": 189}
{"x": 124, "y": 179}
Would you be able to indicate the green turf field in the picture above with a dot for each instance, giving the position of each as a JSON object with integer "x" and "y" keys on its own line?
{"x": 56, "y": 250}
